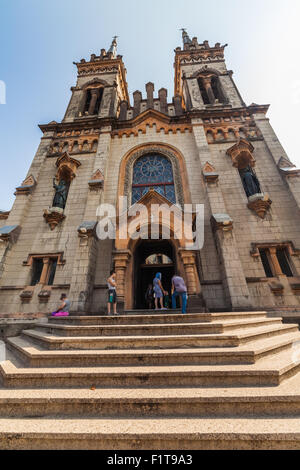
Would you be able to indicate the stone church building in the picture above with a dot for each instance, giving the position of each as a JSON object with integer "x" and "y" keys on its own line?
{"x": 203, "y": 146}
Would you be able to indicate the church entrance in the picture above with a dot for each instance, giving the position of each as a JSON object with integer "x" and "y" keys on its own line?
{"x": 151, "y": 257}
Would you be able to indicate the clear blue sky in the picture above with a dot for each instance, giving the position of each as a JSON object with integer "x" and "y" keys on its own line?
{"x": 40, "y": 39}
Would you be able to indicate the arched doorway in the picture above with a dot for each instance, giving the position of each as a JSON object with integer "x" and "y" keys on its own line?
{"x": 150, "y": 257}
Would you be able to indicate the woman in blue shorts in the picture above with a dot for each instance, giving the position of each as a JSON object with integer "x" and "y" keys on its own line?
{"x": 158, "y": 291}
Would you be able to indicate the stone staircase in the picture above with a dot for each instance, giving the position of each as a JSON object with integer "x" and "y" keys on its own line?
{"x": 153, "y": 381}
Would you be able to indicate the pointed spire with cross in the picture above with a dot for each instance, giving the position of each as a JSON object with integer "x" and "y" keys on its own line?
{"x": 113, "y": 47}
{"x": 185, "y": 37}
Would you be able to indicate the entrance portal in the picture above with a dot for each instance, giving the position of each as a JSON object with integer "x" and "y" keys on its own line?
{"x": 151, "y": 257}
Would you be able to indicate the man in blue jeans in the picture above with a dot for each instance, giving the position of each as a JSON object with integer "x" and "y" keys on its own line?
{"x": 179, "y": 288}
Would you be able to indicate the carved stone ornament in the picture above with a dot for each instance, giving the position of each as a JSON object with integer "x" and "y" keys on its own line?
{"x": 87, "y": 229}
{"x": 26, "y": 294}
{"x": 209, "y": 173}
{"x": 66, "y": 165}
{"x": 27, "y": 186}
{"x": 4, "y": 215}
{"x": 222, "y": 222}
{"x": 259, "y": 203}
{"x": 10, "y": 233}
{"x": 276, "y": 287}
{"x": 241, "y": 154}
{"x": 97, "y": 180}
{"x": 44, "y": 295}
{"x": 53, "y": 216}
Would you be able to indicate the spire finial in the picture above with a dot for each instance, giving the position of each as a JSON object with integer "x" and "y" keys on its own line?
{"x": 185, "y": 37}
{"x": 113, "y": 47}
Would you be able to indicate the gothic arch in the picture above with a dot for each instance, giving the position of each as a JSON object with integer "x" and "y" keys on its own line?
{"x": 94, "y": 82}
{"x": 183, "y": 195}
{"x": 204, "y": 70}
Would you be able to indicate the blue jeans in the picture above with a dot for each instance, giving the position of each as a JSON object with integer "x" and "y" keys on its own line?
{"x": 183, "y": 299}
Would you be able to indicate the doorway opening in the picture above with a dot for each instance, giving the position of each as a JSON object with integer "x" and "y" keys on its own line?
{"x": 151, "y": 257}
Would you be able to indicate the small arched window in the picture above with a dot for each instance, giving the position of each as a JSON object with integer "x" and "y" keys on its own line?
{"x": 153, "y": 171}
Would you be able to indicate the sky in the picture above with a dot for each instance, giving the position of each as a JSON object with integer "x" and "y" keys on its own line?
{"x": 40, "y": 39}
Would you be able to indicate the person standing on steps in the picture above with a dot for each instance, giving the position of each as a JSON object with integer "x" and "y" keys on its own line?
{"x": 112, "y": 294}
{"x": 64, "y": 307}
{"x": 158, "y": 291}
{"x": 179, "y": 288}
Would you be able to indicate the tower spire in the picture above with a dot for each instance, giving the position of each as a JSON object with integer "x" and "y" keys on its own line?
{"x": 185, "y": 37}
{"x": 113, "y": 47}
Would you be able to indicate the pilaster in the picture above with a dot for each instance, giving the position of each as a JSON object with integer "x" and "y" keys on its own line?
{"x": 234, "y": 281}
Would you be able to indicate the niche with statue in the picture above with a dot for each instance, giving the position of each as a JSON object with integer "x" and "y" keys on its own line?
{"x": 66, "y": 171}
{"x": 242, "y": 158}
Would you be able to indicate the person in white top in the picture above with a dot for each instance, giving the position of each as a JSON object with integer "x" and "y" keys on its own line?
{"x": 112, "y": 294}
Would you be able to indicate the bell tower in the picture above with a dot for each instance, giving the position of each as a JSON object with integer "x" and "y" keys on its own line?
{"x": 101, "y": 86}
{"x": 201, "y": 77}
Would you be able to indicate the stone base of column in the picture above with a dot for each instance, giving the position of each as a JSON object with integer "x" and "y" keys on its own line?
{"x": 196, "y": 304}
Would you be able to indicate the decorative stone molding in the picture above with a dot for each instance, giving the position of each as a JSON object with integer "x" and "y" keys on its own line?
{"x": 276, "y": 288}
{"x": 222, "y": 222}
{"x": 273, "y": 244}
{"x": 259, "y": 203}
{"x": 44, "y": 295}
{"x": 241, "y": 154}
{"x": 290, "y": 172}
{"x": 54, "y": 216}
{"x": 26, "y": 294}
{"x": 66, "y": 164}
{"x": 209, "y": 173}
{"x": 27, "y": 186}
{"x": 295, "y": 288}
{"x": 58, "y": 255}
{"x": 10, "y": 233}
{"x": 4, "y": 215}
{"x": 87, "y": 229}
{"x": 285, "y": 163}
{"x": 97, "y": 180}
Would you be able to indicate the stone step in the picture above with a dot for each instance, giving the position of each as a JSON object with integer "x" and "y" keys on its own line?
{"x": 139, "y": 319}
{"x": 283, "y": 400}
{"x": 267, "y": 371}
{"x": 35, "y": 356}
{"x": 153, "y": 329}
{"x": 142, "y": 433}
{"x": 50, "y": 341}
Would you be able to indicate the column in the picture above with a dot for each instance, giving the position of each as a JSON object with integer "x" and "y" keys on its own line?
{"x": 121, "y": 259}
{"x": 43, "y": 278}
{"x": 189, "y": 263}
{"x": 94, "y": 97}
{"x": 207, "y": 85}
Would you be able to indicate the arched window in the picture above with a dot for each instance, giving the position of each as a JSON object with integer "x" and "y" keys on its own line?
{"x": 153, "y": 171}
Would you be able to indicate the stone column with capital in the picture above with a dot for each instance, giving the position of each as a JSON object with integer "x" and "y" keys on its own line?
{"x": 121, "y": 259}
{"x": 94, "y": 97}
{"x": 207, "y": 85}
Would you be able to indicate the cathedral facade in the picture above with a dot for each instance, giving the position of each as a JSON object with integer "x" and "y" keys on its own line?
{"x": 205, "y": 146}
